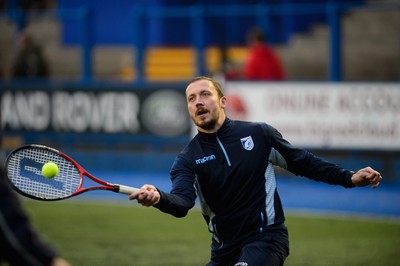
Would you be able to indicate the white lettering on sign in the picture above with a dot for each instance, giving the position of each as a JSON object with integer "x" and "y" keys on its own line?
{"x": 109, "y": 112}
{"x": 25, "y": 110}
{"x": 277, "y": 102}
{"x": 337, "y": 115}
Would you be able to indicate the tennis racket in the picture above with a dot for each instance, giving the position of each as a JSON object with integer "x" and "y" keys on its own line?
{"x": 24, "y": 164}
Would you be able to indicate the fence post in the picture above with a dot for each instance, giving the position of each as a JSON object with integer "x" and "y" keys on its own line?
{"x": 263, "y": 19}
{"x": 137, "y": 15}
{"x": 335, "y": 60}
{"x": 197, "y": 27}
{"x": 87, "y": 45}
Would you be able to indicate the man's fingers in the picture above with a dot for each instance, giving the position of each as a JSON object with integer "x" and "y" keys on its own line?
{"x": 142, "y": 194}
{"x": 133, "y": 195}
{"x": 367, "y": 176}
{"x": 147, "y": 196}
{"x": 374, "y": 177}
{"x": 376, "y": 185}
{"x": 371, "y": 175}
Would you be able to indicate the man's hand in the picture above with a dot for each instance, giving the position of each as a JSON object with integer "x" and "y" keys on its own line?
{"x": 148, "y": 195}
{"x": 57, "y": 261}
{"x": 366, "y": 176}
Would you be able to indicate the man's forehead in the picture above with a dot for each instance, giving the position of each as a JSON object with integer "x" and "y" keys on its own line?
{"x": 202, "y": 84}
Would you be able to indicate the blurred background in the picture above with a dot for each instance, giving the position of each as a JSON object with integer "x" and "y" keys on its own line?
{"x": 104, "y": 82}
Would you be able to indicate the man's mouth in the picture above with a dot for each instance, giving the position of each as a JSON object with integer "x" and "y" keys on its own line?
{"x": 201, "y": 112}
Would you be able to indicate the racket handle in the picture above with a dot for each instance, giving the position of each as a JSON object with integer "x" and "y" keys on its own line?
{"x": 125, "y": 189}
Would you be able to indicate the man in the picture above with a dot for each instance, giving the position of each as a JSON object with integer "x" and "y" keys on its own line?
{"x": 228, "y": 165}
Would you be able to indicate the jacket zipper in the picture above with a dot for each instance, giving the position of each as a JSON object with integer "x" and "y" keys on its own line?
{"x": 224, "y": 151}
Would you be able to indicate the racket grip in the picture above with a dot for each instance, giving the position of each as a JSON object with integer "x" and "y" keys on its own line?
{"x": 125, "y": 189}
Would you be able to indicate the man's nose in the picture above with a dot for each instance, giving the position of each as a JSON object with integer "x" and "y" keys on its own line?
{"x": 199, "y": 101}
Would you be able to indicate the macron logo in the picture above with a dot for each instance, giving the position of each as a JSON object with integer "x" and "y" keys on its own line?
{"x": 205, "y": 159}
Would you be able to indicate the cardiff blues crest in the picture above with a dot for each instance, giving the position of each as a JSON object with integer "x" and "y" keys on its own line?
{"x": 247, "y": 143}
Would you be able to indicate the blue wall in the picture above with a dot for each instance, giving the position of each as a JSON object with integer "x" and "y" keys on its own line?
{"x": 112, "y": 22}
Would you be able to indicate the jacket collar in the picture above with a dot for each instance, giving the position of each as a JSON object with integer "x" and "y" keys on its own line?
{"x": 223, "y": 129}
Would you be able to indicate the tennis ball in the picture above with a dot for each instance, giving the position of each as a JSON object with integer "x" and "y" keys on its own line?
{"x": 50, "y": 170}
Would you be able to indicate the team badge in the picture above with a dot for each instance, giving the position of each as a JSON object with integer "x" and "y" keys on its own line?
{"x": 247, "y": 143}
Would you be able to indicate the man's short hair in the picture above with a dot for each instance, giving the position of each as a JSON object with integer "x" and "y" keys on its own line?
{"x": 215, "y": 83}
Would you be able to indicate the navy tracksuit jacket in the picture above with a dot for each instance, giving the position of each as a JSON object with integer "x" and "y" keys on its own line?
{"x": 232, "y": 174}
{"x": 20, "y": 244}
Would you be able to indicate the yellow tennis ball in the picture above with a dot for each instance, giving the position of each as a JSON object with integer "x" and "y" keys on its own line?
{"x": 50, "y": 170}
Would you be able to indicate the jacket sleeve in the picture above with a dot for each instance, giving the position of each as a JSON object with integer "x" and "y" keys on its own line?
{"x": 20, "y": 244}
{"x": 304, "y": 163}
{"x": 183, "y": 195}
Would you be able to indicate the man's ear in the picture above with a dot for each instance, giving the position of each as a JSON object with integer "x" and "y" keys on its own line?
{"x": 223, "y": 101}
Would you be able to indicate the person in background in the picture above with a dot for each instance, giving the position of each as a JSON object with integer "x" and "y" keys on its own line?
{"x": 20, "y": 243}
{"x": 229, "y": 167}
{"x": 30, "y": 61}
{"x": 262, "y": 62}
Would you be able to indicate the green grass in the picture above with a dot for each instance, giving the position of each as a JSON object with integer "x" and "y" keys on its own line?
{"x": 120, "y": 234}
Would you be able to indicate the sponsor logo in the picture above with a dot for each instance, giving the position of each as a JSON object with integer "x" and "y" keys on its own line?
{"x": 164, "y": 113}
{"x": 205, "y": 159}
{"x": 247, "y": 143}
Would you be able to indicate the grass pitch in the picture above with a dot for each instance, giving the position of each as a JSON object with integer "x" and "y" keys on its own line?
{"x": 99, "y": 233}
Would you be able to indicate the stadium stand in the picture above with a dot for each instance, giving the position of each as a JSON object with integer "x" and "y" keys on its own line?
{"x": 305, "y": 55}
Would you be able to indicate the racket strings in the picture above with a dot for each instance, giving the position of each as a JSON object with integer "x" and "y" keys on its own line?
{"x": 24, "y": 171}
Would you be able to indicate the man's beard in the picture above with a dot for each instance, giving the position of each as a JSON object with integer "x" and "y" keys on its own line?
{"x": 207, "y": 125}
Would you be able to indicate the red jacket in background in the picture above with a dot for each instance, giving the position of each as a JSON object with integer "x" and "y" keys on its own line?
{"x": 263, "y": 64}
